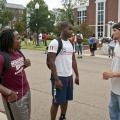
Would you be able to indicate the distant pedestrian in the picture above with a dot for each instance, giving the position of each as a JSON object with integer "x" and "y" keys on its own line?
{"x": 111, "y": 47}
{"x": 114, "y": 74}
{"x": 35, "y": 38}
{"x": 92, "y": 44}
{"x": 79, "y": 38}
{"x": 40, "y": 39}
{"x": 44, "y": 37}
{"x": 14, "y": 86}
{"x": 74, "y": 41}
{"x": 61, "y": 64}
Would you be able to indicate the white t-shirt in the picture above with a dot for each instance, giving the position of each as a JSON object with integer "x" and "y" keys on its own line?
{"x": 40, "y": 36}
{"x": 63, "y": 60}
{"x": 115, "y": 82}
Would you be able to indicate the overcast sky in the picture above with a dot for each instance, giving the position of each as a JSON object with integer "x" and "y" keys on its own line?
{"x": 51, "y": 3}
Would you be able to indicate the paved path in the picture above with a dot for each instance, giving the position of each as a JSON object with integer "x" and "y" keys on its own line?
{"x": 90, "y": 98}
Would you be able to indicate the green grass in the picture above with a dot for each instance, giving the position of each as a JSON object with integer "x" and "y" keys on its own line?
{"x": 31, "y": 46}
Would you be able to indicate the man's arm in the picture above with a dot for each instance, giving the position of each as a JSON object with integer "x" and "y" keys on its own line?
{"x": 74, "y": 65}
{"x": 51, "y": 60}
{"x": 107, "y": 75}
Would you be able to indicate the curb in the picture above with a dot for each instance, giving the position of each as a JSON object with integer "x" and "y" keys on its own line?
{"x": 98, "y": 56}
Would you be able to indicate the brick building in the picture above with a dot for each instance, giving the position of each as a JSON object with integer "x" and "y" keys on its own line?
{"x": 17, "y": 9}
{"x": 100, "y": 15}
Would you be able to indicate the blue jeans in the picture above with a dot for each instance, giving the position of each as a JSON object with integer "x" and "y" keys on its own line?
{"x": 114, "y": 107}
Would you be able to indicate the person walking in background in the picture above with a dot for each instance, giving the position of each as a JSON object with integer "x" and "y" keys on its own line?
{"x": 40, "y": 39}
{"x": 114, "y": 74}
{"x": 92, "y": 44}
{"x": 61, "y": 65}
{"x": 44, "y": 37}
{"x": 74, "y": 40}
{"x": 111, "y": 47}
{"x": 35, "y": 38}
{"x": 14, "y": 86}
{"x": 79, "y": 37}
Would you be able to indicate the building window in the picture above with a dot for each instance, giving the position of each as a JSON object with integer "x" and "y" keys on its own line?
{"x": 81, "y": 16}
{"x": 100, "y": 18}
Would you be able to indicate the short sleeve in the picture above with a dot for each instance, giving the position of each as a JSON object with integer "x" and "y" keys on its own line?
{"x": 1, "y": 63}
{"x": 81, "y": 36}
{"x": 53, "y": 46}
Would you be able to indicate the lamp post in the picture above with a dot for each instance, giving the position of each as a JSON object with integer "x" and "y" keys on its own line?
{"x": 111, "y": 24}
{"x": 37, "y": 9}
{"x": 48, "y": 23}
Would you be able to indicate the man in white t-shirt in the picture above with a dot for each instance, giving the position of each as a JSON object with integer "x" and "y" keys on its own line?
{"x": 114, "y": 74}
{"x": 61, "y": 66}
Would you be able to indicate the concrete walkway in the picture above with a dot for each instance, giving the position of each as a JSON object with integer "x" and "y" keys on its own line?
{"x": 90, "y": 102}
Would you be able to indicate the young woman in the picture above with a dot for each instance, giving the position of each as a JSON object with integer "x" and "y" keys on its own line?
{"x": 14, "y": 86}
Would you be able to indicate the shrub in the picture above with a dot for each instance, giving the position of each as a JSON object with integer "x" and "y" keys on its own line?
{"x": 85, "y": 41}
{"x": 50, "y": 37}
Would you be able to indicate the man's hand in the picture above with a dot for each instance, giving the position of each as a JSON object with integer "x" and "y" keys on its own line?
{"x": 77, "y": 80}
{"x": 12, "y": 97}
{"x": 107, "y": 75}
{"x": 58, "y": 84}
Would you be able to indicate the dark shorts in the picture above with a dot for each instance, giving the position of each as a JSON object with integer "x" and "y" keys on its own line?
{"x": 61, "y": 96}
{"x": 93, "y": 47}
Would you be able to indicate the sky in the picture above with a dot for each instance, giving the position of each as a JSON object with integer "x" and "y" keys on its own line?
{"x": 51, "y": 3}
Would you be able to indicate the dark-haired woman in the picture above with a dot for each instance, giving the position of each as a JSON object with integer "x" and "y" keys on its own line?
{"x": 14, "y": 86}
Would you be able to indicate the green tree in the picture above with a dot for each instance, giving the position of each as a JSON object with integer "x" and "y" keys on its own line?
{"x": 41, "y": 19}
{"x": 60, "y": 15}
{"x": 68, "y": 6}
{"x": 6, "y": 17}
{"x": 20, "y": 27}
{"x": 85, "y": 30}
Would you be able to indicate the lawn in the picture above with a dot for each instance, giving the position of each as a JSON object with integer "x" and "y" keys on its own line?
{"x": 31, "y": 46}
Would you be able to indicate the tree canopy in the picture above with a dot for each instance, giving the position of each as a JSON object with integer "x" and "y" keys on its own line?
{"x": 39, "y": 17}
{"x": 6, "y": 16}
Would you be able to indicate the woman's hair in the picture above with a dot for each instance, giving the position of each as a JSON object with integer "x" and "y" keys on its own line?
{"x": 6, "y": 40}
{"x": 93, "y": 35}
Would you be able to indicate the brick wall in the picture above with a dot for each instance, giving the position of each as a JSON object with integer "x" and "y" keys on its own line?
{"x": 111, "y": 10}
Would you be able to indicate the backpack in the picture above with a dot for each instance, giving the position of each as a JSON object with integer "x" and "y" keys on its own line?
{"x": 60, "y": 46}
{"x": 79, "y": 38}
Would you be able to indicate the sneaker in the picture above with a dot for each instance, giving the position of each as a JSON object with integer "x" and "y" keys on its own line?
{"x": 62, "y": 118}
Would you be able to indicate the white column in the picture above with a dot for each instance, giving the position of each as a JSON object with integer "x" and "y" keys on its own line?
{"x": 108, "y": 30}
{"x": 96, "y": 30}
{"x": 118, "y": 10}
{"x": 104, "y": 17}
